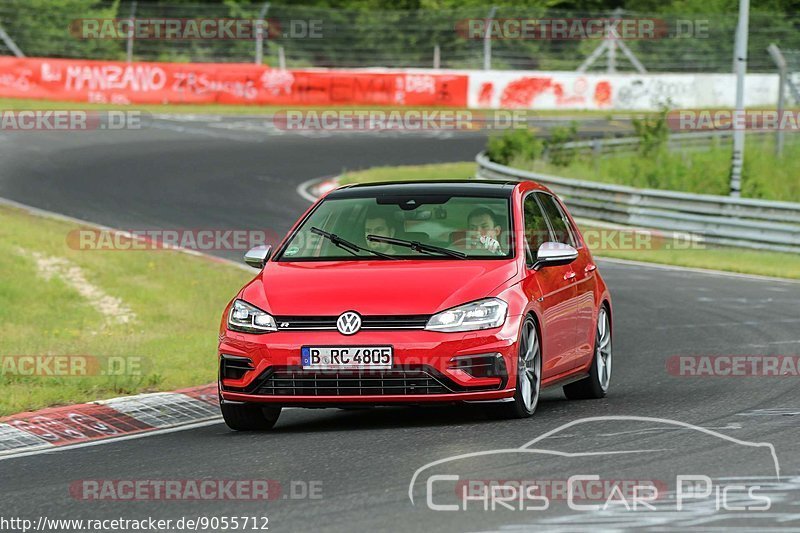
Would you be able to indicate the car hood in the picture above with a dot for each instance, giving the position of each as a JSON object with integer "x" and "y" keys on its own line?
{"x": 375, "y": 287}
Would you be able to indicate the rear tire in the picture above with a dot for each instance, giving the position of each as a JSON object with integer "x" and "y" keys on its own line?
{"x": 596, "y": 385}
{"x": 529, "y": 374}
{"x": 240, "y": 417}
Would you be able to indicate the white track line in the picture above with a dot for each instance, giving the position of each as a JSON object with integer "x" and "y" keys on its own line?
{"x": 302, "y": 189}
{"x": 52, "y": 449}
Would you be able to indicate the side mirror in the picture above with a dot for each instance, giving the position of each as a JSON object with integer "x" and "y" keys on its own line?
{"x": 554, "y": 254}
{"x": 257, "y": 257}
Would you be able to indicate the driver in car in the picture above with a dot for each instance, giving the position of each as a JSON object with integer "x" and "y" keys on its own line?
{"x": 483, "y": 231}
{"x": 378, "y": 223}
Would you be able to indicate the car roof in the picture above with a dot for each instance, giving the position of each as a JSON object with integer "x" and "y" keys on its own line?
{"x": 487, "y": 188}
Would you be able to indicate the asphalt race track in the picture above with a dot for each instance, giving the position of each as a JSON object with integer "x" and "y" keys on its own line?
{"x": 223, "y": 174}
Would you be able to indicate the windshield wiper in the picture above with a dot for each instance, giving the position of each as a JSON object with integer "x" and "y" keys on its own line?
{"x": 344, "y": 244}
{"x": 418, "y": 246}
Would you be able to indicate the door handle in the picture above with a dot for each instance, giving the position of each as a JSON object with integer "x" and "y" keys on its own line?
{"x": 591, "y": 267}
{"x": 569, "y": 275}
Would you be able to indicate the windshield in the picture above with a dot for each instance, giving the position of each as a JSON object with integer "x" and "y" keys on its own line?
{"x": 387, "y": 228}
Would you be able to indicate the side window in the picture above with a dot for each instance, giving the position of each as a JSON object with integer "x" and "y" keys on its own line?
{"x": 557, "y": 219}
{"x": 536, "y": 230}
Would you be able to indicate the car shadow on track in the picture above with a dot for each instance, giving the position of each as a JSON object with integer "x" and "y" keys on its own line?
{"x": 332, "y": 419}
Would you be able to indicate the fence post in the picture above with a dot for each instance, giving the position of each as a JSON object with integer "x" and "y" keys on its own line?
{"x": 487, "y": 40}
{"x": 436, "y": 56}
{"x": 611, "y": 66}
{"x": 129, "y": 44}
{"x": 737, "y": 157}
{"x": 597, "y": 153}
{"x": 780, "y": 61}
{"x": 260, "y": 34}
{"x": 10, "y": 43}
{"x": 281, "y": 58}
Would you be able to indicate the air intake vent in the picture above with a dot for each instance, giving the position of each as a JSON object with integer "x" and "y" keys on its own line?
{"x": 234, "y": 367}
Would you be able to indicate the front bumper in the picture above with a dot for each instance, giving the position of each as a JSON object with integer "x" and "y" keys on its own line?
{"x": 424, "y": 370}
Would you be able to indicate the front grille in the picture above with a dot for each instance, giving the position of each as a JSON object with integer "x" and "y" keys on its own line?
{"x": 297, "y": 382}
{"x": 298, "y": 323}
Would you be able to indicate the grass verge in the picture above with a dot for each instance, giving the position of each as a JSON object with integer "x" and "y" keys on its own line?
{"x": 13, "y": 104}
{"x": 764, "y": 175}
{"x": 438, "y": 171}
{"x": 739, "y": 260}
{"x": 52, "y": 299}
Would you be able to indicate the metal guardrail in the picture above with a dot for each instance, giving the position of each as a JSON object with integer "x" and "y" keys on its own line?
{"x": 692, "y": 142}
{"x": 741, "y": 222}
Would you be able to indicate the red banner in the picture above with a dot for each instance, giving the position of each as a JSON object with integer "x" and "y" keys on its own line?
{"x": 200, "y": 83}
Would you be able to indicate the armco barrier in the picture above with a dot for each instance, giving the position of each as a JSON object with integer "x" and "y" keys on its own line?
{"x": 741, "y": 222}
{"x": 684, "y": 142}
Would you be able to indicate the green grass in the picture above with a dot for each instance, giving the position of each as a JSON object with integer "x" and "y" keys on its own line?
{"x": 439, "y": 171}
{"x": 763, "y": 176}
{"x": 177, "y": 299}
{"x": 200, "y": 109}
{"x": 676, "y": 252}
{"x": 257, "y": 109}
{"x": 669, "y": 253}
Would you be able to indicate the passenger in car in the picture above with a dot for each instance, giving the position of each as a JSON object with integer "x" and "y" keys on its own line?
{"x": 483, "y": 231}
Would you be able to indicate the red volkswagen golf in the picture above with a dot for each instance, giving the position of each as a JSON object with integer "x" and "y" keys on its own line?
{"x": 418, "y": 293}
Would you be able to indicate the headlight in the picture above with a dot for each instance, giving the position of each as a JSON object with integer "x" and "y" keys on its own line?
{"x": 249, "y": 319}
{"x": 483, "y": 314}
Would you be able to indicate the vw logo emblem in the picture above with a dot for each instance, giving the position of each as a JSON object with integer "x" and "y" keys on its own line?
{"x": 348, "y": 323}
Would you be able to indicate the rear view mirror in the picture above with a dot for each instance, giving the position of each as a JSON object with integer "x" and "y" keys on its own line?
{"x": 554, "y": 254}
{"x": 257, "y": 257}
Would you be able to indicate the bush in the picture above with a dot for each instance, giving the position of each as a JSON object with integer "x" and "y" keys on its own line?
{"x": 560, "y": 136}
{"x": 652, "y": 131}
{"x": 514, "y": 144}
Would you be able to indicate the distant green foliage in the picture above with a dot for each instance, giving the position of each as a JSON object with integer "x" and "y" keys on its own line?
{"x": 514, "y": 144}
{"x": 403, "y": 33}
{"x": 653, "y": 132}
{"x": 42, "y": 28}
{"x": 560, "y": 136}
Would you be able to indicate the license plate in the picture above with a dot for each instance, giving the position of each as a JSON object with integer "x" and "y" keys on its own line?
{"x": 333, "y": 357}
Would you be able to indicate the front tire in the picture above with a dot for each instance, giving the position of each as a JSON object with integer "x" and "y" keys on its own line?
{"x": 245, "y": 417}
{"x": 596, "y": 385}
{"x": 529, "y": 373}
